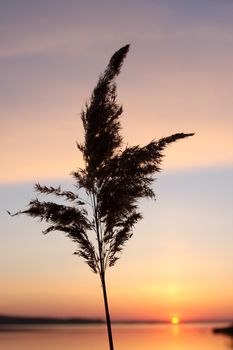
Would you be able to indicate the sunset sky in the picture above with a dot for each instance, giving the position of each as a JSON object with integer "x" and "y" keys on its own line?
{"x": 178, "y": 77}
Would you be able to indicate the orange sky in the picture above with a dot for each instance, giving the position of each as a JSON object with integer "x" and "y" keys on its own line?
{"x": 177, "y": 77}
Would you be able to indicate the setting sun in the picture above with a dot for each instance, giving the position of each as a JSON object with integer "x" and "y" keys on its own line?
{"x": 175, "y": 320}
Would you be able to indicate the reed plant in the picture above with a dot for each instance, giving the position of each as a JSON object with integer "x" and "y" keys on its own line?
{"x": 109, "y": 185}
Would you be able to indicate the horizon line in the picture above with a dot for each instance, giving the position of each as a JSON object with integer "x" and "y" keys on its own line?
{"x": 13, "y": 319}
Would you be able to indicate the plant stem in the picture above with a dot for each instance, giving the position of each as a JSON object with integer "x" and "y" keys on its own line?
{"x": 102, "y": 274}
{"x": 108, "y": 319}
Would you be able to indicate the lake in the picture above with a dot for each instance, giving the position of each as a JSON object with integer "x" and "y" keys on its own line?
{"x": 126, "y": 337}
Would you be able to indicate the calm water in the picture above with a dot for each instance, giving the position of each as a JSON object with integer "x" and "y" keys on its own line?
{"x": 126, "y": 337}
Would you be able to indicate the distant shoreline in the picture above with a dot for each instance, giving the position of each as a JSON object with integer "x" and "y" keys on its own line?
{"x": 26, "y": 320}
{"x": 224, "y": 330}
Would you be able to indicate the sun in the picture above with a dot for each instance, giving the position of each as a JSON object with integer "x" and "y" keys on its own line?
{"x": 175, "y": 320}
